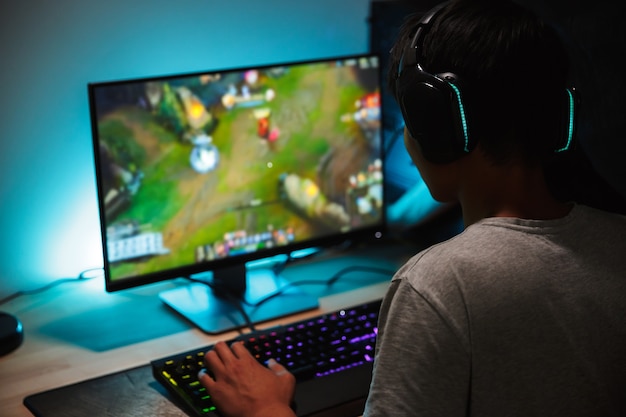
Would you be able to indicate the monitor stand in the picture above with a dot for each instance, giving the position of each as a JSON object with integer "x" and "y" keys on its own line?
{"x": 216, "y": 307}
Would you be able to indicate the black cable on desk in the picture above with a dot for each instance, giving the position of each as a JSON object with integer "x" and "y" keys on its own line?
{"x": 83, "y": 276}
{"x": 328, "y": 282}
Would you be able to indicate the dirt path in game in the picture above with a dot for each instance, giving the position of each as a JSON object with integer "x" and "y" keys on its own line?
{"x": 199, "y": 190}
{"x": 204, "y": 201}
{"x": 345, "y": 159}
{"x": 146, "y": 140}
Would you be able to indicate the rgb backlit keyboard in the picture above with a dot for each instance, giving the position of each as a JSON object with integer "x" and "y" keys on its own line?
{"x": 313, "y": 348}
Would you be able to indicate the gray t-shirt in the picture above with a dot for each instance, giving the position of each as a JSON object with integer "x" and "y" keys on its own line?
{"x": 509, "y": 318}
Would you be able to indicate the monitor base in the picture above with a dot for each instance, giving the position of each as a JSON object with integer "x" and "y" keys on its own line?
{"x": 213, "y": 314}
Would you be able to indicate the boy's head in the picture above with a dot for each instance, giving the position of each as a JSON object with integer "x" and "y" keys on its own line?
{"x": 493, "y": 71}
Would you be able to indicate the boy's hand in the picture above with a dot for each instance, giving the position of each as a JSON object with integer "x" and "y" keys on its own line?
{"x": 240, "y": 386}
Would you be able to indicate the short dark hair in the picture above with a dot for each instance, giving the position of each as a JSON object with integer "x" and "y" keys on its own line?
{"x": 513, "y": 71}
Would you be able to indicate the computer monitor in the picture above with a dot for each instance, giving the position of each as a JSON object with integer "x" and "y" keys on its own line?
{"x": 200, "y": 174}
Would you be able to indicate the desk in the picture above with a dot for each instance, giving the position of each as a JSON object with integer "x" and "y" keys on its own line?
{"x": 76, "y": 331}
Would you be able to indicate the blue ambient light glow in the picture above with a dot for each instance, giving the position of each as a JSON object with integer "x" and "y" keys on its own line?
{"x": 49, "y": 215}
{"x": 462, "y": 111}
{"x": 570, "y": 122}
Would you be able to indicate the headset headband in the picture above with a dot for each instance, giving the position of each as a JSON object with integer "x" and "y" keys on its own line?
{"x": 413, "y": 52}
{"x": 433, "y": 108}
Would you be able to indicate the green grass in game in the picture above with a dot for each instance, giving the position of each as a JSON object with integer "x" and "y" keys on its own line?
{"x": 192, "y": 209}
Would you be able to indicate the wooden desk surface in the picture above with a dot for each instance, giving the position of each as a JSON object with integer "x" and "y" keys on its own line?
{"x": 50, "y": 358}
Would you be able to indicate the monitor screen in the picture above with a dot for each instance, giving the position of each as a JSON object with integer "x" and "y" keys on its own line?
{"x": 206, "y": 171}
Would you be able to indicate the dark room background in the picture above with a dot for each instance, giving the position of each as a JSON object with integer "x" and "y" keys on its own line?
{"x": 50, "y": 50}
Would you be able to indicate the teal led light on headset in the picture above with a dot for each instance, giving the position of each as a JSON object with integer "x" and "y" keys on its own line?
{"x": 462, "y": 112}
{"x": 431, "y": 103}
{"x": 570, "y": 122}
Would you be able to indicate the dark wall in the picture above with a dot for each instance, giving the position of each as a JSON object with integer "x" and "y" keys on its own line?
{"x": 596, "y": 38}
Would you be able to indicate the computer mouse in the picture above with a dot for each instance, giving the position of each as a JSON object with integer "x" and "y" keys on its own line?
{"x": 11, "y": 333}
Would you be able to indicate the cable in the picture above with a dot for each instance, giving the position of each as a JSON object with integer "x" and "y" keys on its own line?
{"x": 397, "y": 133}
{"x": 276, "y": 268}
{"x": 349, "y": 269}
{"x": 232, "y": 299}
{"x": 239, "y": 303}
{"x": 334, "y": 278}
{"x": 81, "y": 277}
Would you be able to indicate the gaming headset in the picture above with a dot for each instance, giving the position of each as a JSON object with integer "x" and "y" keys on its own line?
{"x": 433, "y": 109}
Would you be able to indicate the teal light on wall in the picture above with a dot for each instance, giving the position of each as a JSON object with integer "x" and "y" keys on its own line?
{"x": 51, "y": 50}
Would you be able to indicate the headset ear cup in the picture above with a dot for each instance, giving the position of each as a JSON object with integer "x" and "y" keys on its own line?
{"x": 433, "y": 115}
{"x": 567, "y": 128}
{"x": 431, "y": 105}
{"x": 427, "y": 117}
